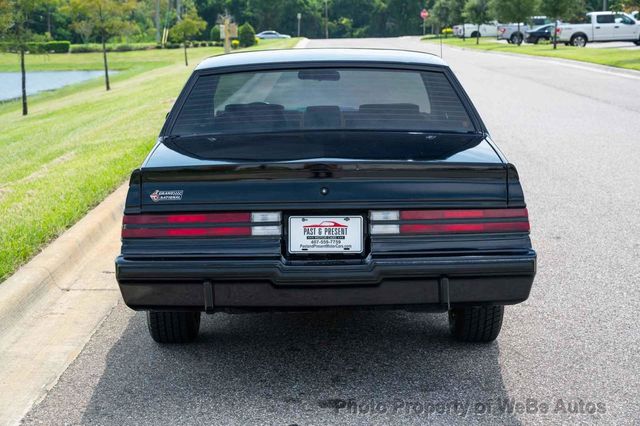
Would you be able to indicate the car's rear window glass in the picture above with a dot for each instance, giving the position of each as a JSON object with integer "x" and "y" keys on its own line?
{"x": 322, "y": 99}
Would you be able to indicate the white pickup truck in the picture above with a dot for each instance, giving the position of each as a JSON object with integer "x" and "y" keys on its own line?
{"x": 472, "y": 30}
{"x": 600, "y": 26}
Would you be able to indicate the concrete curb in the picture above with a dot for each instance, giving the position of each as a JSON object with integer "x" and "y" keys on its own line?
{"x": 302, "y": 43}
{"x": 43, "y": 274}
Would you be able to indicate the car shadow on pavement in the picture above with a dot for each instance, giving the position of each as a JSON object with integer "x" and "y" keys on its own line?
{"x": 323, "y": 367}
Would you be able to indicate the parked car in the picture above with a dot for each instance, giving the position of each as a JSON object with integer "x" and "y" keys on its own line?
{"x": 602, "y": 27}
{"x": 307, "y": 190}
{"x": 516, "y": 34}
{"x": 271, "y": 34}
{"x": 471, "y": 30}
{"x": 542, "y": 32}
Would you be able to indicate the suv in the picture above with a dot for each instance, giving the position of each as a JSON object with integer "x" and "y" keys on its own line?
{"x": 282, "y": 182}
{"x": 514, "y": 33}
{"x": 543, "y": 32}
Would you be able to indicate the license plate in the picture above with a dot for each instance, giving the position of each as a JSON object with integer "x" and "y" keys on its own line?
{"x": 322, "y": 234}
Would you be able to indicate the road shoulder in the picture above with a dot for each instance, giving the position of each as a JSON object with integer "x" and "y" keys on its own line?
{"x": 605, "y": 69}
{"x": 52, "y": 306}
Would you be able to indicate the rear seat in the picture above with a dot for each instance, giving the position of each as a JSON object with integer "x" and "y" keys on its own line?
{"x": 376, "y": 115}
{"x": 273, "y": 117}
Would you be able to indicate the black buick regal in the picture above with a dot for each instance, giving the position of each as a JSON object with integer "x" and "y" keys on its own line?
{"x": 322, "y": 179}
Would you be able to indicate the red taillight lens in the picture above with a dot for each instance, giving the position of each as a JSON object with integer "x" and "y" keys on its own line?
{"x": 148, "y": 219}
{"x": 461, "y": 214}
{"x": 449, "y": 221}
{"x": 201, "y": 225}
{"x": 464, "y": 228}
{"x": 185, "y": 232}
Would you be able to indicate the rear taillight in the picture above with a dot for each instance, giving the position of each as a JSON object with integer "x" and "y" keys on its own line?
{"x": 201, "y": 225}
{"x": 408, "y": 222}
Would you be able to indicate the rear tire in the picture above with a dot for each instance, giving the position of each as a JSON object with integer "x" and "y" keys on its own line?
{"x": 173, "y": 327}
{"x": 579, "y": 40}
{"x": 533, "y": 41}
{"x": 637, "y": 42}
{"x": 478, "y": 324}
{"x": 516, "y": 39}
{"x": 474, "y": 34}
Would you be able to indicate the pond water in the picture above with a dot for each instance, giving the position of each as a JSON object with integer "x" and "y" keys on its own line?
{"x": 39, "y": 81}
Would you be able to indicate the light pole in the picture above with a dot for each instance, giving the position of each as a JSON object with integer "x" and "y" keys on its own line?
{"x": 299, "y": 18}
{"x": 326, "y": 18}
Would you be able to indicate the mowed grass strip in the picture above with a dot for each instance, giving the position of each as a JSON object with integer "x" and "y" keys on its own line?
{"x": 628, "y": 58}
{"x": 79, "y": 143}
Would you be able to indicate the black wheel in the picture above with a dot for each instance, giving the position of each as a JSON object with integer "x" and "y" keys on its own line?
{"x": 516, "y": 38}
{"x": 579, "y": 40}
{"x": 476, "y": 323}
{"x": 637, "y": 42}
{"x": 173, "y": 327}
{"x": 474, "y": 34}
{"x": 533, "y": 40}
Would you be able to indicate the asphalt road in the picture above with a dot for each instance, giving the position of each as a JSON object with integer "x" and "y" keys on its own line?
{"x": 574, "y": 133}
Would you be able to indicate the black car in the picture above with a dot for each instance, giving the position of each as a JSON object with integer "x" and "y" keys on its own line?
{"x": 322, "y": 179}
{"x": 543, "y": 32}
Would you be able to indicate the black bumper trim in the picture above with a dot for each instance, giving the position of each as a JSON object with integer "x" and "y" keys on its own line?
{"x": 258, "y": 285}
{"x": 279, "y": 273}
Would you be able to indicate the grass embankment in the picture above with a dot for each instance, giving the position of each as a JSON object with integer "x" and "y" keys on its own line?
{"x": 615, "y": 57}
{"x": 79, "y": 143}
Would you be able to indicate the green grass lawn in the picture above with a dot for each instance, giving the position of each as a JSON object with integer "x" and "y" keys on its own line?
{"x": 79, "y": 143}
{"x": 621, "y": 58}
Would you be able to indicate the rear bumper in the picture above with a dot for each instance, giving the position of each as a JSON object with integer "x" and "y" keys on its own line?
{"x": 413, "y": 283}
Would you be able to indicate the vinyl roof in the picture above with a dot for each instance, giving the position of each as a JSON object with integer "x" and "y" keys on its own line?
{"x": 320, "y": 55}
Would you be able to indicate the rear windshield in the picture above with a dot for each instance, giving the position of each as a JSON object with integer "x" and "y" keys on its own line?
{"x": 322, "y": 99}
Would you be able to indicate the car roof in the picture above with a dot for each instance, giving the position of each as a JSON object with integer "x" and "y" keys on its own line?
{"x": 320, "y": 55}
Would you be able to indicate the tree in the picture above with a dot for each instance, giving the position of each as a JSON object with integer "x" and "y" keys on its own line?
{"x": 105, "y": 18}
{"x": 214, "y": 34}
{"x": 477, "y": 12}
{"x": 5, "y": 17}
{"x": 441, "y": 13}
{"x": 246, "y": 35}
{"x": 189, "y": 26}
{"x": 15, "y": 16}
{"x": 560, "y": 9}
{"x": 622, "y": 5}
{"x": 447, "y": 13}
{"x": 514, "y": 11}
{"x": 404, "y": 17}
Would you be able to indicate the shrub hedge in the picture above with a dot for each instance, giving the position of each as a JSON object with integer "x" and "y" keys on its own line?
{"x": 66, "y": 47}
{"x": 97, "y": 47}
{"x": 40, "y": 47}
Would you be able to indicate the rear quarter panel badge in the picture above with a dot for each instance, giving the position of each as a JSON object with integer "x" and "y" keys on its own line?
{"x": 168, "y": 195}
